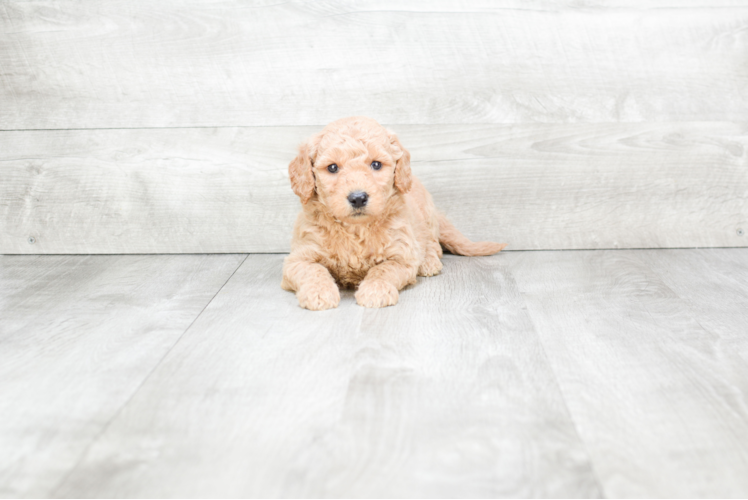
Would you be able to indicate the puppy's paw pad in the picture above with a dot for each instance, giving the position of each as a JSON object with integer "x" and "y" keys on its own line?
{"x": 376, "y": 293}
{"x": 430, "y": 267}
{"x": 319, "y": 297}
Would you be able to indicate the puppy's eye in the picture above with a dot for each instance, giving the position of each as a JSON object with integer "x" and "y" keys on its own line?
{"x": 332, "y": 168}
{"x": 376, "y": 165}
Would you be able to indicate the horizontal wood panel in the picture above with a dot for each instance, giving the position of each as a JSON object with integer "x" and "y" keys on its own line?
{"x": 157, "y": 64}
{"x": 559, "y": 186}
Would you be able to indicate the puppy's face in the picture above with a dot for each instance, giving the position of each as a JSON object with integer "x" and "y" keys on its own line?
{"x": 355, "y": 166}
{"x": 354, "y": 177}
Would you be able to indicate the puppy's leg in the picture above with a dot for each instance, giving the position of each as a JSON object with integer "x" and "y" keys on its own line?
{"x": 432, "y": 263}
{"x": 382, "y": 282}
{"x": 315, "y": 287}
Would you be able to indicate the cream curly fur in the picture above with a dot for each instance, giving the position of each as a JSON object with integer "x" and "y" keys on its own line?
{"x": 379, "y": 248}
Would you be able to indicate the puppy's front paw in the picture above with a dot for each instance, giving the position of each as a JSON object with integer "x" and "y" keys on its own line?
{"x": 376, "y": 293}
{"x": 319, "y": 296}
{"x": 431, "y": 266}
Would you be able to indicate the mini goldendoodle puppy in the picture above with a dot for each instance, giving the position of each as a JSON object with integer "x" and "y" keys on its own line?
{"x": 365, "y": 220}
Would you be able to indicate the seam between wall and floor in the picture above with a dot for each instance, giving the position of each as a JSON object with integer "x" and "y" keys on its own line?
{"x": 54, "y": 491}
{"x": 286, "y": 252}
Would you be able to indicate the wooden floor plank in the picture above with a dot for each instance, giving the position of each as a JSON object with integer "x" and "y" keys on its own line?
{"x": 616, "y": 373}
{"x": 655, "y": 376}
{"x": 78, "y": 335}
{"x": 446, "y": 394}
{"x": 714, "y": 284}
{"x": 532, "y": 186}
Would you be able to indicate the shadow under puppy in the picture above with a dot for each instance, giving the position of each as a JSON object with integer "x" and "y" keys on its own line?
{"x": 366, "y": 221}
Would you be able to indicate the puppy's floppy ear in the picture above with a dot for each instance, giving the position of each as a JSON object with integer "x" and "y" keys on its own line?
{"x": 402, "y": 167}
{"x": 300, "y": 170}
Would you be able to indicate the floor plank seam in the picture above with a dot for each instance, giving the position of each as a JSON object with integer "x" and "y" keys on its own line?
{"x": 598, "y": 482}
{"x": 55, "y": 490}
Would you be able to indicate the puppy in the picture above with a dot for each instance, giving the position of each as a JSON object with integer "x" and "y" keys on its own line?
{"x": 366, "y": 221}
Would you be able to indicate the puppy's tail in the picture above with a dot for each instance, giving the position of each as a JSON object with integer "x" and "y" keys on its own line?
{"x": 456, "y": 243}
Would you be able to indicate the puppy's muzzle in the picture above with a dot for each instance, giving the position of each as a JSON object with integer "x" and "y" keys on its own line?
{"x": 358, "y": 199}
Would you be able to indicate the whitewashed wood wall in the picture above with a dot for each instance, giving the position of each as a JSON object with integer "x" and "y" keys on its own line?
{"x": 141, "y": 126}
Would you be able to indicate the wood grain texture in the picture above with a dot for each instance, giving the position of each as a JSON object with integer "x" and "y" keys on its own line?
{"x": 719, "y": 299}
{"x": 656, "y": 383}
{"x": 78, "y": 336}
{"x": 446, "y": 394}
{"x": 533, "y": 186}
{"x": 601, "y": 373}
{"x": 193, "y": 63}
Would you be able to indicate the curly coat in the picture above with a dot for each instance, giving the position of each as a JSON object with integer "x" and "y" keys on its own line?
{"x": 380, "y": 247}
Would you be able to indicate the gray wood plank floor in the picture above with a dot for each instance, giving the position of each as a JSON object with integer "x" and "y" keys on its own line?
{"x": 577, "y": 373}
{"x": 78, "y": 335}
{"x": 660, "y": 397}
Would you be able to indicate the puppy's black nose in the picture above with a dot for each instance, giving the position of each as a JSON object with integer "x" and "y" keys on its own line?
{"x": 358, "y": 199}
